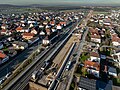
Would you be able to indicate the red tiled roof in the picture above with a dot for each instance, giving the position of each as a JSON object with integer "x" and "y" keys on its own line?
{"x": 94, "y": 54}
{"x": 95, "y": 36}
{"x": 3, "y": 30}
{"x": 19, "y": 28}
{"x": 28, "y": 34}
{"x": 92, "y": 64}
{"x": 93, "y": 31}
{"x": 2, "y": 55}
{"x": 116, "y": 39}
{"x": 62, "y": 23}
{"x": 52, "y": 22}
{"x": 48, "y": 30}
{"x": 59, "y": 25}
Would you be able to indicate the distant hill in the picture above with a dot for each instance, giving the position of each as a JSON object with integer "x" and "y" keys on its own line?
{"x": 9, "y": 5}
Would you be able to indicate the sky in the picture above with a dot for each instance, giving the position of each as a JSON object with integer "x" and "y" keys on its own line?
{"x": 83, "y": 2}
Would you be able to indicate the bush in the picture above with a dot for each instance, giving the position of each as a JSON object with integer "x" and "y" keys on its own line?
{"x": 116, "y": 81}
{"x": 84, "y": 57}
{"x": 72, "y": 86}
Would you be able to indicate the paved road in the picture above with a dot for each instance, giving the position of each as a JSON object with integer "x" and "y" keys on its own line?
{"x": 65, "y": 76}
{"x": 80, "y": 47}
{"x": 69, "y": 74}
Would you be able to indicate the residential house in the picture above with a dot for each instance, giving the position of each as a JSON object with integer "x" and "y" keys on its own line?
{"x": 115, "y": 40}
{"x": 52, "y": 23}
{"x": 93, "y": 31}
{"x": 10, "y": 39}
{"x": 45, "y": 41}
{"x": 112, "y": 71}
{"x": 19, "y": 29}
{"x": 3, "y": 32}
{"x": 94, "y": 57}
{"x": 41, "y": 26}
{"x": 4, "y": 26}
{"x": 47, "y": 26}
{"x": 19, "y": 45}
{"x": 92, "y": 68}
{"x": 48, "y": 31}
{"x": 31, "y": 21}
{"x": 3, "y": 57}
{"x": 31, "y": 25}
{"x": 34, "y": 31}
{"x": 26, "y": 29}
{"x": 42, "y": 33}
{"x": 86, "y": 84}
{"x": 9, "y": 32}
{"x": 33, "y": 40}
{"x": 116, "y": 57}
{"x": 45, "y": 22}
{"x": 28, "y": 36}
{"x": 107, "y": 21}
{"x": 63, "y": 23}
{"x": 96, "y": 38}
{"x": 59, "y": 27}
{"x": 53, "y": 29}
{"x": 91, "y": 84}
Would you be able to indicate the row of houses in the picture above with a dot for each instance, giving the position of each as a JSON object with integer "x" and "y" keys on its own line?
{"x": 19, "y": 31}
{"x": 100, "y": 63}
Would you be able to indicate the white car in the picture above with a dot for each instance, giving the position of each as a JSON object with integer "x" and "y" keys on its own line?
{"x": 7, "y": 75}
{"x": 1, "y": 81}
{"x": 68, "y": 65}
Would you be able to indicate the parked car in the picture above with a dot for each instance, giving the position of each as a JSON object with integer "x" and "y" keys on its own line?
{"x": 68, "y": 65}
{"x": 7, "y": 75}
{"x": 82, "y": 65}
{"x": 1, "y": 81}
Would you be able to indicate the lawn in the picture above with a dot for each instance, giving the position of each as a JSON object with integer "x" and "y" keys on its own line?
{"x": 84, "y": 57}
{"x": 72, "y": 86}
{"x": 101, "y": 12}
{"x": 116, "y": 81}
{"x": 81, "y": 71}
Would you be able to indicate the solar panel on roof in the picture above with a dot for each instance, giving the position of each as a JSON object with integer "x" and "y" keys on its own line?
{"x": 87, "y": 83}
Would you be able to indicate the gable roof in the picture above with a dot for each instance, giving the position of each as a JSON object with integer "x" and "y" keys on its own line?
{"x": 2, "y": 55}
{"x": 92, "y": 65}
{"x": 94, "y": 54}
{"x": 95, "y": 36}
{"x": 93, "y": 31}
{"x": 3, "y": 30}
{"x": 28, "y": 34}
{"x": 115, "y": 38}
{"x": 19, "y": 28}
